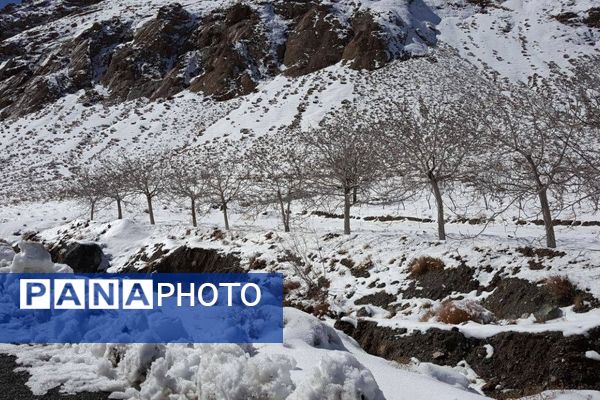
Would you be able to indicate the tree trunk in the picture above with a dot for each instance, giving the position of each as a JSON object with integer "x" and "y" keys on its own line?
{"x": 194, "y": 222}
{"x": 150, "y": 210}
{"x": 225, "y": 217}
{"x": 544, "y": 204}
{"x": 284, "y": 216}
{"x": 440, "y": 207}
{"x": 92, "y": 209}
{"x": 289, "y": 214}
{"x": 354, "y": 195}
{"x": 119, "y": 209}
{"x": 548, "y": 224}
{"x": 347, "y": 205}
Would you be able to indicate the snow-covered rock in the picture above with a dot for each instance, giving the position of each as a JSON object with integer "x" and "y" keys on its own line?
{"x": 34, "y": 257}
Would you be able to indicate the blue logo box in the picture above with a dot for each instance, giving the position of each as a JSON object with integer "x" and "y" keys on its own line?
{"x": 141, "y": 308}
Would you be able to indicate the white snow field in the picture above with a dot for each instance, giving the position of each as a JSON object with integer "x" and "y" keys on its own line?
{"x": 315, "y": 361}
{"x": 520, "y": 40}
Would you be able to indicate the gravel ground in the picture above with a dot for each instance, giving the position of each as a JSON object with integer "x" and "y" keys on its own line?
{"x": 13, "y": 387}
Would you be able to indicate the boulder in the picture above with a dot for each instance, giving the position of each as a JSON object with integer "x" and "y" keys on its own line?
{"x": 84, "y": 257}
{"x": 547, "y": 313}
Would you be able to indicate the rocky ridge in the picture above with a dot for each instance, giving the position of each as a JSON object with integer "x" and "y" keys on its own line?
{"x": 49, "y": 50}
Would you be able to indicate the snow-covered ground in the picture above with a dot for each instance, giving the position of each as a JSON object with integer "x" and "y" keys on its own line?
{"x": 303, "y": 369}
{"x": 314, "y": 362}
{"x": 518, "y": 39}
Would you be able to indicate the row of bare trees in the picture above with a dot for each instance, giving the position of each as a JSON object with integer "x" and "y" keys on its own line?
{"x": 510, "y": 143}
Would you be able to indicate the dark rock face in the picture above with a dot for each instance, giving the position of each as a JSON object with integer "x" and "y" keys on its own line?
{"x": 522, "y": 363}
{"x": 27, "y": 85}
{"x": 437, "y": 285}
{"x": 232, "y": 53}
{"x": 16, "y": 19}
{"x": 193, "y": 260}
{"x": 137, "y": 69}
{"x": 223, "y": 54}
{"x": 368, "y": 49}
{"x": 84, "y": 258}
{"x": 591, "y": 20}
{"x": 317, "y": 41}
{"x": 92, "y": 51}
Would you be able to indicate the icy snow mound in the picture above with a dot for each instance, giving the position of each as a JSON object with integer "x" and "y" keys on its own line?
{"x": 32, "y": 258}
{"x": 302, "y": 329}
{"x": 6, "y": 255}
{"x": 226, "y": 371}
{"x": 445, "y": 374}
{"x": 206, "y": 371}
{"x": 338, "y": 375}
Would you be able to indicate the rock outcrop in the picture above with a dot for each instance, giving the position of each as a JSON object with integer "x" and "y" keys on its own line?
{"x": 224, "y": 53}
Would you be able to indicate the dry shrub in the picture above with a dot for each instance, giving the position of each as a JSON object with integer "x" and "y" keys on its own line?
{"x": 424, "y": 264}
{"x": 290, "y": 286}
{"x": 320, "y": 309}
{"x": 562, "y": 289}
{"x": 217, "y": 234}
{"x": 323, "y": 282}
{"x": 257, "y": 263}
{"x": 459, "y": 311}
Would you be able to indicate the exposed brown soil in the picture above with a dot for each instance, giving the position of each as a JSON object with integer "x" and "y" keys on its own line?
{"x": 438, "y": 284}
{"x": 184, "y": 259}
{"x": 381, "y": 299}
{"x": 522, "y": 363}
{"x": 514, "y": 298}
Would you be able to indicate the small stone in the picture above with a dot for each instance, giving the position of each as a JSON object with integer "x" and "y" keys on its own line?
{"x": 547, "y": 313}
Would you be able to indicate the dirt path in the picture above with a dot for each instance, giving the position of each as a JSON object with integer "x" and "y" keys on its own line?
{"x": 13, "y": 387}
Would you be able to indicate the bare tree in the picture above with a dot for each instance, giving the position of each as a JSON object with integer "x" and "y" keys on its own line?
{"x": 583, "y": 88}
{"x": 535, "y": 150}
{"x": 431, "y": 143}
{"x": 224, "y": 176}
{"x": 114, "y": 176}
{"x": 344, "y": 158}
{"x": 186, "y": 179}
{"x": 85, "y": 184}
{"x": 146, "y": 176}
{"x": 279, "y": 171}
{"x": 580, "y": 91}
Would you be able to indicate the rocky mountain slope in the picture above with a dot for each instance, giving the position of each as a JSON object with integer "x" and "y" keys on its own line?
{"x": 222, "y": 49}
{"x": 80, "y": 78}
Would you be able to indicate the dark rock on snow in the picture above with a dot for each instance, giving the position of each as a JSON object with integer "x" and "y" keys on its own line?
{"x": 82, "y": 257}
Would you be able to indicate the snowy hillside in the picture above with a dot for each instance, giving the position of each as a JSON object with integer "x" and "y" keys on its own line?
{"x": 456, "y": 294}
{"x": 65, "y": 97}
